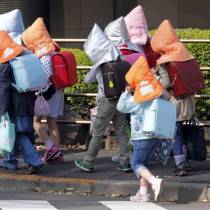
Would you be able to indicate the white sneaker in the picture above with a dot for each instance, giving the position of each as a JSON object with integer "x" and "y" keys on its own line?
{"x": 139, "y": 198}
{"x": 158, "y": 188}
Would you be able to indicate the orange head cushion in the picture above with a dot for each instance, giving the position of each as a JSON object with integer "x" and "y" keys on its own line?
{"x": 166, "y": 42}
{"x": 142, "y": 79}
{"x": 8, "y": 48}
{"x": 37, "y": 39}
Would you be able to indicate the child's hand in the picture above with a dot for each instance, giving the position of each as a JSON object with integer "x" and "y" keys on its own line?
{"x": 129, "y": 88}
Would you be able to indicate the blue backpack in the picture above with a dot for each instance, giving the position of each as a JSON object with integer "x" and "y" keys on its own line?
{"x": 28, "y": 73}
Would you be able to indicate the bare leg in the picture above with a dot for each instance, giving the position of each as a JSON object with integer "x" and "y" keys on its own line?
{"x": 40, "y": 129}
{"x": 53, "y": 130}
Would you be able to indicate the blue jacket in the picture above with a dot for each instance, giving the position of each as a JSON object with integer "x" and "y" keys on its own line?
{"x": 126, "y": 104}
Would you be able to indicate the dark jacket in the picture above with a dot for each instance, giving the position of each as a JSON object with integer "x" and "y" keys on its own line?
{"x": 5, "y": 87}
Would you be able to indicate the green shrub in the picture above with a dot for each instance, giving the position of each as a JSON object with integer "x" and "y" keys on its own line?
{"x": 201, "y": 51}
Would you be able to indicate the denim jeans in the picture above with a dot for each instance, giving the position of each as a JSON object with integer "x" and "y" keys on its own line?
{"x": 30, "y": 154}
{"x": 179, "y": 140}
{"x": 143, "y": 150}
{"x": 107, "y": 111}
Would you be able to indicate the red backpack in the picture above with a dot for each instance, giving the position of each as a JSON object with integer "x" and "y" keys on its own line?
{"x": 185, "y": 76}
{"x": 150, "y": 55}
{"x": 64, "y": 69}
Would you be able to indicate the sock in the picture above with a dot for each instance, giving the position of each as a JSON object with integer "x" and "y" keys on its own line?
{"x": 49, "y": 144}
{"x": 184, "y": 148}
{"x": 152, "y": 180}
{"x": 143, "y": 190}
{"x": 179, "y": 159}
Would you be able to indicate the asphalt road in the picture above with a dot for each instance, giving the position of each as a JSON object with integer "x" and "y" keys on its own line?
{"x": 22, "y": 200}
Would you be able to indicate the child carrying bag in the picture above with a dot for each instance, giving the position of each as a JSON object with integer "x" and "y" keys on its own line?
{"x": 7, "y": 134}
{"x": 28, "y": 73}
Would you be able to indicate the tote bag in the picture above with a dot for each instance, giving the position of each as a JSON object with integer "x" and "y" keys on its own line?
{"x": 195, "y": 140}
{"x": 7, "y": 134}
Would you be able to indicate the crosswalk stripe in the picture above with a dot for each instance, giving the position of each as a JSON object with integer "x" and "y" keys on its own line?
{"x": 125, "y": 205}
{"x": 25, "y": 204}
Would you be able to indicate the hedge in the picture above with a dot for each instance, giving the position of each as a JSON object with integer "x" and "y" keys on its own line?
{"x": 201, "y": 51}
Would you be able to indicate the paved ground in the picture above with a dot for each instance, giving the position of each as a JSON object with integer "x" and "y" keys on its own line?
{"x": 107, "y": 179}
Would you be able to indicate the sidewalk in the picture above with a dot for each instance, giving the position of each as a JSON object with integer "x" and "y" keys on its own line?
{"x": 107, "y": 180}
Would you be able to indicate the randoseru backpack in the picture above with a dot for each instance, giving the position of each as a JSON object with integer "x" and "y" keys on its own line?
{"x": 64, "y": 70}
{"x": 113, "y": 74}
{"x": 185, "y": 77}
{"x": 28, "y": 73}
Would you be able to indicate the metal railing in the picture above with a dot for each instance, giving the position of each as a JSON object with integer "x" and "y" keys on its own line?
{"x": 72, "y": 40}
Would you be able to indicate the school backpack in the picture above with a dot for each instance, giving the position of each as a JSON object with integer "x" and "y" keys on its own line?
{"x": 185, "y": 77}
{"x": 28, "y": 73}
{"x": 159, "y": 119}
{"x": 113, "y": 74}
{"x": 64, "y": 69}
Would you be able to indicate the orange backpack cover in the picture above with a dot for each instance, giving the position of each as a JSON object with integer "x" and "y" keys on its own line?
{"x": 37, "y": 39}
{"x": 8, "y": 48}
{"x": 143, "y": 81}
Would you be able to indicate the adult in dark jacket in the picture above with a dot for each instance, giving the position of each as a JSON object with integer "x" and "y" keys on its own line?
{"x": 20, "y": 107}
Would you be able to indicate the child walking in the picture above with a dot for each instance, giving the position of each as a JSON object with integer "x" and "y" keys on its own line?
{"x": 143, "y": 148}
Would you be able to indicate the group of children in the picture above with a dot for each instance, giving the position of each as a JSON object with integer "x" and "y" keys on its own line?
{"x": 16, "y": 42}
{"x": 104, "y": 47}
{"x": 124, "y": 35}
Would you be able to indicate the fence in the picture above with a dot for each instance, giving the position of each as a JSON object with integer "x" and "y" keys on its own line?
{"x": 203, "y": 68}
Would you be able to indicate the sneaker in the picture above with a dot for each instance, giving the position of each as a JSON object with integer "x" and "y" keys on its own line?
{"x": 158, "y": 188}
{"x": 181, "y": 170}
{"x": 33, "y": 169}
{"x": 50, "y": 153}
{"x": 57, "y": 159}
{"x": 125, "y": 167}
{"x": 139, "y": 198}
{"x": 87, "y": 167}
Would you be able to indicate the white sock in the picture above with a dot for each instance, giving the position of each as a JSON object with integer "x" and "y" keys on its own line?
{"x": 152, "y": 180}
{"x": 143, "y": 190}
{"x": 49, "y": 144}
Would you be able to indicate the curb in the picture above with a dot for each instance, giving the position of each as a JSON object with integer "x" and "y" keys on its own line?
{"x": 176, "y": 192}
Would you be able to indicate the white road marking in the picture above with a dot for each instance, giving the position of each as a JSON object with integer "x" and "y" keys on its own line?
{"x": 125, "y": 205}
{"x": 25, "y": 204}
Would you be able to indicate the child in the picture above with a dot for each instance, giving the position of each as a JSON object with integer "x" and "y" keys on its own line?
{"x": 51, "y": 138}
{"x": 143, "y": 148}
{"x": 20, "y": 107}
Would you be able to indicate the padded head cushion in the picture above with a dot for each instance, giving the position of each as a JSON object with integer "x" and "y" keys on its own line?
{"x": 12, "y": 22}
{"x": 166, "y": 42}
{"x": 99, "y": 48}
{"x": 8, "y": 48}
{"x": 143, "y": 81}
{"x": 137, "y": 26}
{"x": 37, "y": 39}
{"x": 118, "y": 34}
